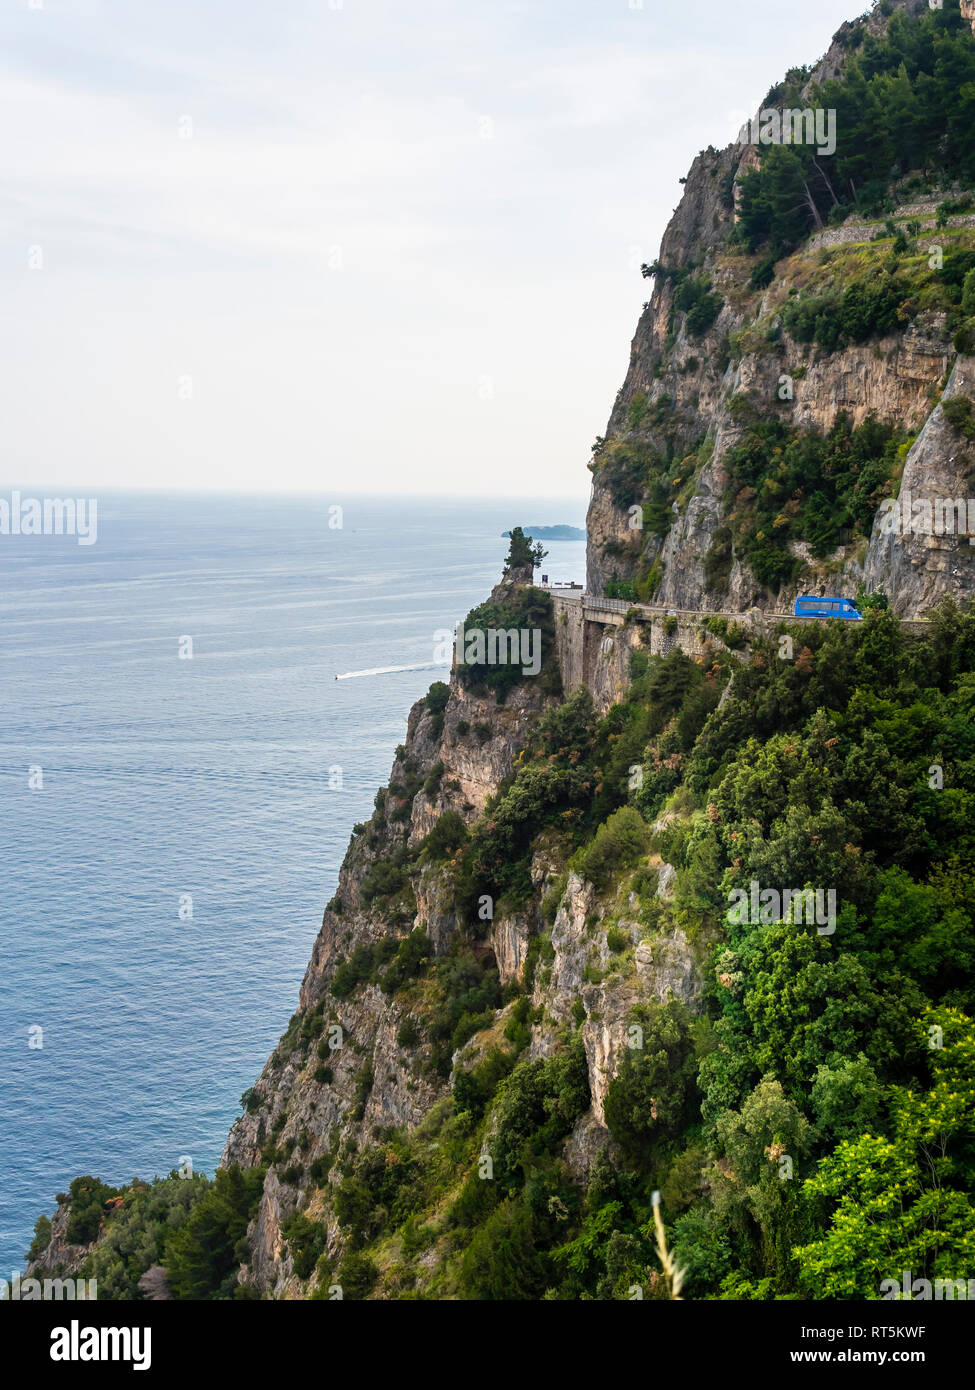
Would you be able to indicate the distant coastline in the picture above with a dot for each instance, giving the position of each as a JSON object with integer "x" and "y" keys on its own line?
{"x": 552, "y": 533}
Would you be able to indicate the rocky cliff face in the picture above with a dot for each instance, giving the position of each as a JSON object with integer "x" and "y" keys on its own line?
{"x": 346, "y": 1070}
{"x": 916, "y": 566}
{"x": 373, "y": 1078}
{"x": 677, "y": 400}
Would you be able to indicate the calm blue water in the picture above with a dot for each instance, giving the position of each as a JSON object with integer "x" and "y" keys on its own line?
{"x": 207, "y": 777}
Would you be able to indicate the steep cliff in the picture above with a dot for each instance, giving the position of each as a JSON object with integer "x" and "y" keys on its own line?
{"x": 366, "y": 1054}
{"x": 728, "y": 336}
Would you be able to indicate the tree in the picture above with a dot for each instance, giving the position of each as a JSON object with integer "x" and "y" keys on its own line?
{"x": 902, "y": 1203}
{"x": 762, "y": 1145}
{"x": 501, "y": 1261}
{"x": 649, "y": 1098}
{"x": 202, "y": 1258}
{"x": 523, "y": 552}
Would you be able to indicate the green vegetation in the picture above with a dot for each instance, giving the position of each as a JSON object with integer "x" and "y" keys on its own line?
{"x": 526, "y": 610}
{"x": 363, "y": 967}
{"x": 306, "y": 1241}
{"x": 960, "y": 414}
{"x": 446, "y": 837}
{"x": 189, "y": 1224}
{"x": 639, "y": 473}
{"x": 621, "y": 588}
{"x": 202, "y": 1258}
{"x": 436, "y": 702}
{"x": 694, "y": 298}
{"x": 651, "y": 1098}
{"x": 788, "y": 484}
{"x": 618, "y": 844}
{"x": 467, "y": 993}
{"x": 88, "y": 1200}
{"x": 42, "y": 1237}
{"x": 874, "y": 295}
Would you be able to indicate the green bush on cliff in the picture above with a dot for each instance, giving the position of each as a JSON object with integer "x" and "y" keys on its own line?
{"x": 474, "y": 1089}
{"x": 620, "y": 589}
{"x": 789, "y": 484}
{"x": 502, "y": 1262}
{"x": 356, "y": 1277}
{"x": 468, "y": 992}
{"x": 650, "y": 1097}
{"x": 382, "y": 880}
{"x": 495, "y": 861}
{"x": 363, "y": 966}
{"x": 306, "y": 1241}
{"x": 88, "y": 1197}
{"x": 449, "y": 833}
{"x": 411, "y": 955}
{"x": 42, "y": 1237}
{"x": 867, "y": 309}
{"x": 960, "y": 414}
{"x": 537, "y": 1106}
{"x": 694, "y": 298}
{"x": 501, "y": 663}
{"x": 618, "y": 844}
{"x": 202, "y": 1258}
{"x": 436, "y": 702}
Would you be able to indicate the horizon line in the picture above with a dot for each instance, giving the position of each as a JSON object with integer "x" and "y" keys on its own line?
{"x": 129, "y": 490}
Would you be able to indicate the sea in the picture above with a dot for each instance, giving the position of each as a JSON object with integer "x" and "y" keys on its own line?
{"x": 180, "y": 771}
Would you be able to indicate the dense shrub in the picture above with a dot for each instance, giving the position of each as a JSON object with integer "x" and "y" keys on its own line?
{"x": 617, "y": 844}
{"x": 363, "y": 966}
{"x": 356, "y": 1276}
{"x": 411, "y": 956}
{"x": 788, "y": 484}
{"x": 537, "y": 1106}
{"x": 202, "y": 1258}
{"x": 436, "y": 702}
{"x": 88, "y": 1197}
{"x": 866, "y": 309}
{"x": 501, "y": 1261}
{"x": 475, "y": 1088}
{"x": 469, "y": 992}
{"x": 693, "y": 297}
{"x": 527, "y": 610}
{"x": 650, "y": 1097}
{"x": 446, "y": 837}
{"x": 381, "y": 880}
{"x": 306, "y": 1241}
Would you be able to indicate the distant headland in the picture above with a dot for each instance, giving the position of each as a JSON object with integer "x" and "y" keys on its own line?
{"x": 552, "y": 533}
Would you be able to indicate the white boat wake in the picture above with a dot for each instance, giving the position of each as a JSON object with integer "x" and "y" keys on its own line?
{"x": 387, "y": 670}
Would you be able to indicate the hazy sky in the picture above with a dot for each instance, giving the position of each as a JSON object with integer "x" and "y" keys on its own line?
{"x": 347, "y": 245}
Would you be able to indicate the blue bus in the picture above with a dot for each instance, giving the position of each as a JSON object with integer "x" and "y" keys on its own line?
{"x": 811, "y": 606}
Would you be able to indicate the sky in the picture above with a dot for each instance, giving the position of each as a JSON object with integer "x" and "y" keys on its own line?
{"x": 347, "y": 245}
